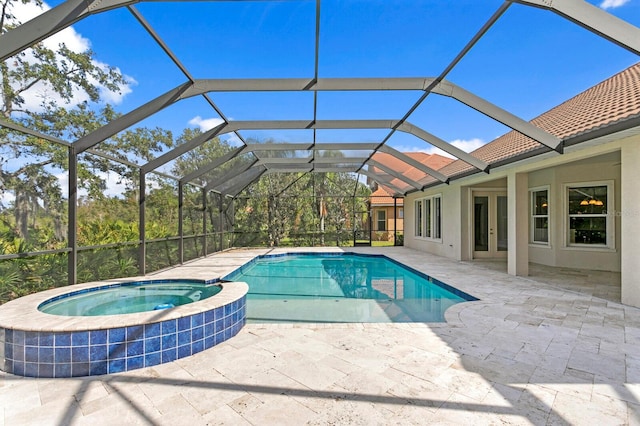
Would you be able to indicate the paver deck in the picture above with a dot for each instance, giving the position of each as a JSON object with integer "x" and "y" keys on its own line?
{"x": 535, "y": 350}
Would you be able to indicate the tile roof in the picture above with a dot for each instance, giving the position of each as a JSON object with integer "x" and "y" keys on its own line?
{"x": 433, "y": 161}
{"x": 382, "y": 197}
{"x": 613, "y": 100}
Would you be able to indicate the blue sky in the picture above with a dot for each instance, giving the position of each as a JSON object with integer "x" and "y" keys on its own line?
{"x": 530, "y": 61}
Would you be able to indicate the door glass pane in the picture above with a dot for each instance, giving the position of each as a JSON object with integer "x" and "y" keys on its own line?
{"x": 481, "y": 223}
{"x": 501, "y": 208}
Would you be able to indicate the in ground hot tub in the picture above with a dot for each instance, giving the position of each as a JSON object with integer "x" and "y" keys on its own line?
{"x": 39, "y": 344}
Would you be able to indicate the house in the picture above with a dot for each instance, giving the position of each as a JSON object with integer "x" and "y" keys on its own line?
{"x": 387, "y": 208}
{"x": 577, "y": 209}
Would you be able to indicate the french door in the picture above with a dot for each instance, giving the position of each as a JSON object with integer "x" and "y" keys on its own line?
{"x": 489, "y": 224}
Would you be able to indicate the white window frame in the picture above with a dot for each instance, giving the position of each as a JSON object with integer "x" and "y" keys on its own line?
{"x": 418, "y": 218}
{"x": 533, "y": 216}
{"x": 384, "y": 220}
{"x": 430, "y": 227}
{"x": 610, "y": 218}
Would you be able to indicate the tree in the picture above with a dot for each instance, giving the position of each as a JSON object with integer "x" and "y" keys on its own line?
{"x": 60, "y": 76}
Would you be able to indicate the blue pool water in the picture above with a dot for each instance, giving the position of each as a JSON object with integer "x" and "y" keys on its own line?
{"x": 127, "y": 298}
{"x": 342, "y": 288}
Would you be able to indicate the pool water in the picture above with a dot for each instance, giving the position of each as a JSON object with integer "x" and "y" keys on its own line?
{"x": 342, "y": 288}
{"x": 129, "y": 298}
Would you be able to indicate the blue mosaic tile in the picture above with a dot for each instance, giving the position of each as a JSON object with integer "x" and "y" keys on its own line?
{"x": 31, "y": 369}
{"x": 209, "y": 342}
{"x": 98, "y": 353}
{"x": 227, "y": 310}
{"x": 118, "y": 350}
{"x": 8, "y": 350}
{"x": 218, "y": 313}
{"x": 117, "y": 335}
{"x": 8, "y": 366}
{"x": 98, "y": 337}
{"x": 116, "y": 366}
{"x": 62, "y": 339}
{"x": 45, "y": 355}
{"x": 31, "y": 338}
{"x": 18, "y": 368}
{"x": 184, "y": 351}
{"x": 208, "y": 316}
{"x": 208, "y": 329}
{"x": 227, "y": 334}
{"x": 80, "y": 369}
{"x": 46, "y": 339}
{"x": 219, "y": 326}
{"x": 197, "y": 346}
{"x": 184, "y": 337}
{"x": 152, "y": 359}
{"x": 197, "y": 320}
{"x": 62, "y": 354}
{"x": 169, "y": 341}
{"x": 18, "y": 353}
{"x": 184, "y": 323}
{"x": 8, "y": 335}
{"x": 80, "y": 338}
{"x": 152, "y": 345}
{"x": 169, "y": 327}
{"x": 18, "y": 337}
{"x": 62, "y": 370}
{"x": 80, "y": 354}
{"x": 197, "y": 333}
{"x": 135, "y": 332}
{"x": 98, "y": 368}
{"x": 169, "y": 355}
{"x": 135, "y": 362}
{"x": 152, "y": 330}
{"x": 31, "y": 353}
{"x": 45, "y": 370}
{"x": 227, "y": 322}
{"x": 135, "y": 348}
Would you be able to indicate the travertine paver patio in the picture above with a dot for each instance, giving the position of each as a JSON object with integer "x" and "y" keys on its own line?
{"x": 526, "y": 353}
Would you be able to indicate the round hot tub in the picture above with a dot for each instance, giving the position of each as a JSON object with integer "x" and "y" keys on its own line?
{"x": 93, "y": 329}
{"x": 129, "y": 298}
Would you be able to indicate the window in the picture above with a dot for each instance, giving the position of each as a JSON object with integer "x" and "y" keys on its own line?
{"x": 401, "y": 213}
{"x": 418, "y": 218}
{"x": 381, "y": 220}
{"x": 588, "y": 222}
{"x": 539, "y": 228}
{"x": 429, "y": 217}
{"x": 437, "y": 220}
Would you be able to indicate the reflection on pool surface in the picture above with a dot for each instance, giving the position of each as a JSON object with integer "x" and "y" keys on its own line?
{"x": 343, "y": 287}
{"x": 129, "y": 298}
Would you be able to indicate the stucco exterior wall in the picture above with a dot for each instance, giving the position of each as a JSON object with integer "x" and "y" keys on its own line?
{"x": 597, "y": 163}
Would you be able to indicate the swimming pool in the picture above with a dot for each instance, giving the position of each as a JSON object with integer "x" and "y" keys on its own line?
{"x": 342, "y": 287}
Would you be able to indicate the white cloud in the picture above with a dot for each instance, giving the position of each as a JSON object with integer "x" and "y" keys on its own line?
{"x": 76, "y": 43}
{"x": 205, "y": 123}
{"x": 465, "y": 145}
{"x": 233, "y": 140}
{"x": 113, "y": 188}
{"x": 612, "y": 4}
{"x": 7, "y": 198}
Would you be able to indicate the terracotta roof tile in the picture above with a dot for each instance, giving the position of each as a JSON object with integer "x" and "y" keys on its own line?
{"x": 382, "y": 197}
{"x": 612, "y": 100}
